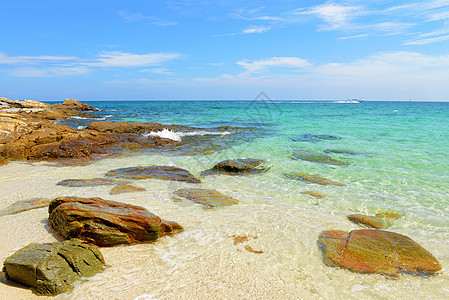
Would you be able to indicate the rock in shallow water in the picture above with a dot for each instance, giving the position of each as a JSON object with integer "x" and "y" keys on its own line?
{"x": 106, "y": 223}
{"x": 125, "y": 188}
{"x": 207, "y": 197}
{"x": 52, "y": 268}
{"x": 376, "y": 251}
{"x": 239, "y": 167}
{"x": 307, "y": 178}
{"x": 313, "y": 156}
{"x": 154, "y": 172}
{"x": 87, "y": 182}
{"x": 314, "y": 138}
{"x": 370, "y": 221}
{"x": 25, "y": 205}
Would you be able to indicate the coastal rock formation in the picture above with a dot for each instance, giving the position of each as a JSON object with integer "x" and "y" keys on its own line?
{"x": 106, "y": 223}
{"x": 308, "y": 178}
{"x": 88, "y": 182}
{"x": 241, "y": 166}
{"x": 313, "y": 156}
{"x": 28, "y": 132}
{"x": 25, "y": 205}
{"x": 376, "y": 251}
{"x": 125, "y": 188}
{"x": 52, "y": 268}
{"x": 208, "y": 197}
{"x": 154, "y": 172}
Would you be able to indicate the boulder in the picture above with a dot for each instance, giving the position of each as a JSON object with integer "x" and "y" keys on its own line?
{"x": 106, "y": 223}
{"x": 370, "y": 221}
{"x": 87, "y": 182}
{"x": 25, "y": 205}
{"x": 154, "y": 172}
{"x": 208, "y": 197}
{"x": 125, "y": 188}
{"x": 313, "y": 156}
{"x": 78, "y": 105}
{"x": 52, "y": 268}
{"x": 376, "y": 251}
{"x": 240, "y": 166}
{"x": 308, "y": 178}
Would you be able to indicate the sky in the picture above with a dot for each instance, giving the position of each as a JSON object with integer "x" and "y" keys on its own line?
{"x": 224, "y": 49}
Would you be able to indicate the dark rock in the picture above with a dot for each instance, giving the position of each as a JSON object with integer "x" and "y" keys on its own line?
{"x": 376, "y": 251}
{"x": 87, "y": 182}
{"x": 106, "y": 223}
{"x": 154, "y": 172}
{"x": 207, "y": 197}
{"x": 307, "y": 178}
{"x": 239, "y": 167}
{"x": 314, "y": 138}
{"x": 370, "y": 221}
{"x": 313, "y": 156}
{"x": 52, "y": 268}
{"x": 21, "y": 206}
{"x": 125, "y": 188}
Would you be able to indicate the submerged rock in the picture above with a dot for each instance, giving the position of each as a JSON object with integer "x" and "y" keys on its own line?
{"x": 313, "y": 194}
{"x": 239, "y": 167}
{"x": 52, "y": 268}
{"x": 308, "y": 178}
{"x": 313, "y": 156}
{"x": 87, "y": 182}
{"x": 154, "y": 172}
{"x": 376, "y": 251}
{"x": 314, "y": 138}
{"x": 106, "y": 223}
{"x": 125, "y": 188}
{"x": 341, "y": 151}
{"x": 207, "y": 197}
{"x": 370, "y": 221}
{"x": 25, "y": 205}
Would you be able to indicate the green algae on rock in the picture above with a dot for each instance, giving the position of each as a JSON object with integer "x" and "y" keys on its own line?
{"x": 52, "y": 268}
{"x": 376, "y": 251}
{"x": 106, "y": 223}
{"x": 154, "y": 172}
{"x": 207, "y": 197}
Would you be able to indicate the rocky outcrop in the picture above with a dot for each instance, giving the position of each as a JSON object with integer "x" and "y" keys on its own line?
{"x": 313, "y": 156}
{"x": 154, "y": 172}
{"x": 106, "y": 223}
{"x": 207, "y": 197}
{"x": 52, "y": 268}
{"x": 241, "y": 166}
{"x": 125, "y": 188}
{"x": 376, "y": 251}
{"x": 308, "y": 178}
{"x": 25, "y": 205}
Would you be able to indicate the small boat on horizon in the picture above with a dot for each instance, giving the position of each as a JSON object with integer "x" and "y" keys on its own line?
{"x": 354, "y": 100}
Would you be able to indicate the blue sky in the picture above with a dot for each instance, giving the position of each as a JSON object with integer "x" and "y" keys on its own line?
{"x": 200, "y": 49}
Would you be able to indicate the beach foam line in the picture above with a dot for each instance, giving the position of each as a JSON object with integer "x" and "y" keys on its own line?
{"x": 177, "y": 136}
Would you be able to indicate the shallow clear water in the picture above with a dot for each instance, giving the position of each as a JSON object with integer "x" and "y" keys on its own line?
{"x": 398, "y": 161}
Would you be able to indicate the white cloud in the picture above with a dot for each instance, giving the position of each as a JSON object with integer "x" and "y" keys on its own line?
{"x": 256, "y": 29}
{"x": 28, "y": 60}
{"x": 122, "y": 59}
{"x": 428, "y": 40}
{"x": 336, "y": 16}
{"x": 258, "y": 65}
{"x": 49, "y": 72}
{"x": 136, "y": 17}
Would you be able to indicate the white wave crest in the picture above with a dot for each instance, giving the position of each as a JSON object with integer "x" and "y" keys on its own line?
{"x": 177, "y": 136}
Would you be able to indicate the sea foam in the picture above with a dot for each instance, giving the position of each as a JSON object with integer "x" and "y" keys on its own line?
{"x": 177, "y": 136}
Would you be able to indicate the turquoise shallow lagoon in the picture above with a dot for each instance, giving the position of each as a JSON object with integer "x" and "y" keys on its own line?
{"x": 395, "y": 155}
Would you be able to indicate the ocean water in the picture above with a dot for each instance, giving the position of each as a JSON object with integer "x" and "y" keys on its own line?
{"x": 396, "y": 156}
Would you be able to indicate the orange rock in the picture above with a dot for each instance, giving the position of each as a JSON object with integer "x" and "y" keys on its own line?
{"x": 370, "y": 221}
{"x": 376, "y": 251}
{"x": 125, "y": 188}
{"x": 314, "y": 194}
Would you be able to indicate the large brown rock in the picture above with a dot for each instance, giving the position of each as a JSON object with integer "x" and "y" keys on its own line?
{"x": 106, "y": 223}
{"x": 376, "y": 251}
{"x": 52, "y": 268}
{"x": 154, "y": 172}
{"x": 78, "y": 105}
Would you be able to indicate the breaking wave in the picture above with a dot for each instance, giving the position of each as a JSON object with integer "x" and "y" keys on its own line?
{"x": 177, "y": 136}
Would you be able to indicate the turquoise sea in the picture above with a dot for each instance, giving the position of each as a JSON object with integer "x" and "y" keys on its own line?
{"x": 396, "y": 157}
